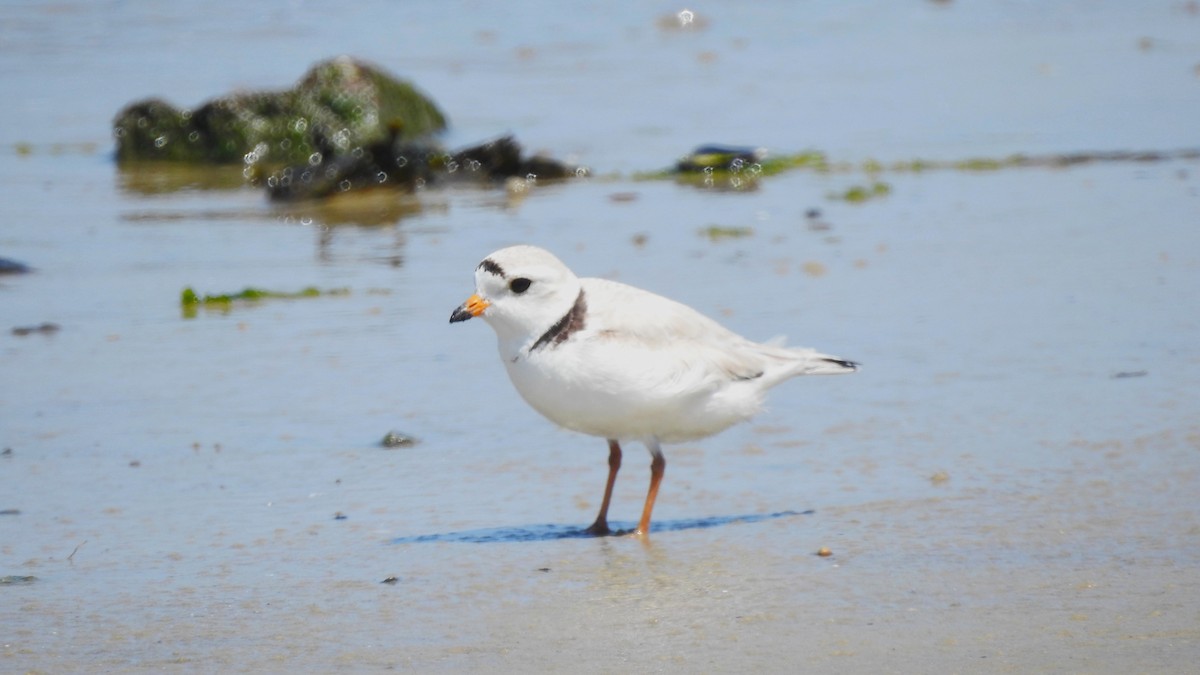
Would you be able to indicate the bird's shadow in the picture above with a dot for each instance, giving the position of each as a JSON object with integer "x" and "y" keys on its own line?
{"x": 550, "y": 532}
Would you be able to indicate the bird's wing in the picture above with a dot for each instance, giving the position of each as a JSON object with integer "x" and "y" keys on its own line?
{"x": 683, "y": 337}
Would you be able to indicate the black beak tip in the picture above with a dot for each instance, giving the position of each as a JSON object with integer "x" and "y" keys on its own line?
{"x": 459, "y": 314}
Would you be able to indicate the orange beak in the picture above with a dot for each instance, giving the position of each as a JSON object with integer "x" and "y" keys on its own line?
{"x": 473, "y": 307}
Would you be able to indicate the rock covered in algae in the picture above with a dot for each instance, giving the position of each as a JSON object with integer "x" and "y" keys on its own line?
{"x": 720, "y": 158}
{"x": 339, "y": 105}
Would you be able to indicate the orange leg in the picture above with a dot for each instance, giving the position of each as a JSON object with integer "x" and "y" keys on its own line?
{"x": 657, "y": 466}
{"x": 600, "y": 527}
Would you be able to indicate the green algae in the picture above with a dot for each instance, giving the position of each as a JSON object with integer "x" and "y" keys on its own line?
{"x": 858, "y": 194}
{"x": 715, "y": 169}
{"x": 725, "y": 168}
{"x": 16, "y": 580}
{"x": 720, "y": 232}
{"x": 190, "y": 301}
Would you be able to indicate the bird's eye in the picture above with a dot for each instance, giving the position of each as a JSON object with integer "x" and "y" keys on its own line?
{"x": 519, "y": 285}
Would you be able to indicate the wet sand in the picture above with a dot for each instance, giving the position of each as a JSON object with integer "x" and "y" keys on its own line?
{"x": 1007, "y": 486}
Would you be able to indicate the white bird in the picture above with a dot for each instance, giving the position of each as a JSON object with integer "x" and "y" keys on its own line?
{"x": 610, "y": 360}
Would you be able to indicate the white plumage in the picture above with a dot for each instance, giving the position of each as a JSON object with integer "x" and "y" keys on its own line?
{"x": 611, "y": 360}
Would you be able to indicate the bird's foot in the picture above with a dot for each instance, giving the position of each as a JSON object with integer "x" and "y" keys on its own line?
{"x": 598, "y": 529}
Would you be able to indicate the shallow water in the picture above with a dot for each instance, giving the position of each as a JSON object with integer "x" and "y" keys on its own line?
{"x": 1008, "y": 484}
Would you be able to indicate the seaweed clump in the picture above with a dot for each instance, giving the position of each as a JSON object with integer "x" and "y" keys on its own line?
{"x": 190, "y": 300}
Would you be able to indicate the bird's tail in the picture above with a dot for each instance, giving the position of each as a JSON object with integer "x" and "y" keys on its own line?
{"x": 801, "y": 361}
{"x": 815, "y": 363}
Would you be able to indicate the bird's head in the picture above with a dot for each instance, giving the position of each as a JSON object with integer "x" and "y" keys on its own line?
{"x": 521, "y": 291}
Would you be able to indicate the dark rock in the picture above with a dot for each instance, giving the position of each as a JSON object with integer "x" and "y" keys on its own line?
{"x": 45, "y": 329}
{"x": 396, "y": 439}
{"x": 1125, "y": 374}
{"x": 13, "y": 267}
{"x": 400, "y": 163}
{"x": 501, "y": 159}
{"x": 393, "y": 162}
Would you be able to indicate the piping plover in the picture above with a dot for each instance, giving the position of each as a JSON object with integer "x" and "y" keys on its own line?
{"x": 621, "y": 363}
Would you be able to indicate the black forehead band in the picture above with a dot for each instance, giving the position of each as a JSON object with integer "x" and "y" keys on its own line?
{"x": 489, "y": 265}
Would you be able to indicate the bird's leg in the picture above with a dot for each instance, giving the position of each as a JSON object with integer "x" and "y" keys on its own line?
{"x": 657, "y": 466}
{"x": 600, "y": 527}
